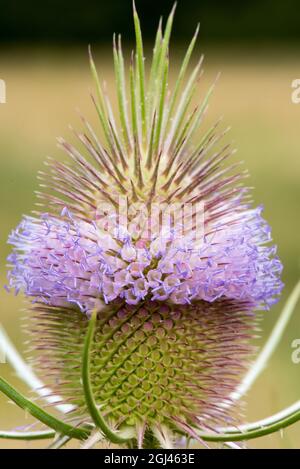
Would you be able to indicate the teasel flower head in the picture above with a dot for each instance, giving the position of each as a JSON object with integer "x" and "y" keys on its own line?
{"x": 151, "y": 234}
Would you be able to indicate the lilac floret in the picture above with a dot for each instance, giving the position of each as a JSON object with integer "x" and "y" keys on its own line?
{"x": 61, "y": 262}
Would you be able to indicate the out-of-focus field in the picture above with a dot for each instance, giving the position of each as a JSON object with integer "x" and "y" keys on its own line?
{"x": 253, "y": 94}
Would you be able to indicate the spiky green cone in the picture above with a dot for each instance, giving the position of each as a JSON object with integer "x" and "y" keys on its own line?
{"x": 166, "y": 369}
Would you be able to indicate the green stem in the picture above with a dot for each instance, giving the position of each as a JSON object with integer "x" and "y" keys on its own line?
{"x": 271, "y": 344}
{"x": 37, "y": 412}
{"x": 43, "y": 435}
{"x": 89, "y": 397}
{"x": 258, "y": 429}
{"x": 25, "y": 373}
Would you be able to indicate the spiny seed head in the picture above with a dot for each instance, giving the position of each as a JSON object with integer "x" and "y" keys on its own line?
{"x": 152, "y": 366}
{"x": 148, "y": 227}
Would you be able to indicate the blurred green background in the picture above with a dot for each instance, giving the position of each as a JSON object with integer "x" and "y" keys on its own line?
{"x": 255, "y": 45}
